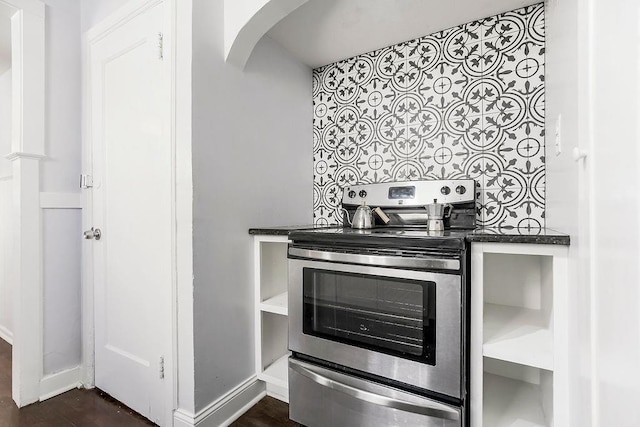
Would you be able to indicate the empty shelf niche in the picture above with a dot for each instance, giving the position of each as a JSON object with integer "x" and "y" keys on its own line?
{"x": 273, "y": 277}
{"x": 518, "y": 321}
{"x": 516, "y": 395}
{"x": 274, "y": 349}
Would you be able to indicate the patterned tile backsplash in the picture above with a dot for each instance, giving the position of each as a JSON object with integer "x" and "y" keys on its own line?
{"x": 467, "y": 102}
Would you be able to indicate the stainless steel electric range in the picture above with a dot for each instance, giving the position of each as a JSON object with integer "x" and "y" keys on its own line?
{"x": 378, "y": 318}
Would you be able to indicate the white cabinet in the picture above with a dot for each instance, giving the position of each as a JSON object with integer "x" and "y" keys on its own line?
{"x": 270, "y": 257}
{"x": 519, "y": 335}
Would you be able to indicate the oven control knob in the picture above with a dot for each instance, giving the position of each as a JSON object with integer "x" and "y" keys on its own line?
{"x": 445, "y": 190}
{"x": 351, "y": 194}
{"x": 362, "y": 194}
{"x": 460, "y": 189}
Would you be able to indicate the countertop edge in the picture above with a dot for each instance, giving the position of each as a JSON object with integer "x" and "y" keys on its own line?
{"x": 476, "y": 236}
{"x": 283, "y": 230}
{"x": 514, "y": 239}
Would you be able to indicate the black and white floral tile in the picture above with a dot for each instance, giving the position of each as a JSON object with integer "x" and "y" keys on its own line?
{"x": 467, "y": 102}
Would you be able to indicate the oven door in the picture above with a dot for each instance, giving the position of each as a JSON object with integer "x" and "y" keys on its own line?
{"x": 399, "y": 324}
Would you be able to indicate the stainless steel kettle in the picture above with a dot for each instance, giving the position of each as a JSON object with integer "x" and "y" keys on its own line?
{"x": 362, "y": 218}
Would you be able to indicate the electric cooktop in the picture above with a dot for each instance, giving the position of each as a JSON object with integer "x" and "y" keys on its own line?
{"x": 385, "y": 236}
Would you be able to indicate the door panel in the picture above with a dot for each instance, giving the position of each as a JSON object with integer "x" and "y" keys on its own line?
{"x": 132, "y": 205}
{"x": 443, "y": 376}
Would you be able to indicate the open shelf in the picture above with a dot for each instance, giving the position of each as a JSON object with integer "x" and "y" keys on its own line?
{"x": 273, "y": 268}
{"x": 512, "y": 403}
{"x": 517, "y": 334}
{"x": 277, "y": 304}
{"x": 276, "y": 373}
{"x": 272, "y": 360}
{"x": 271, "y": 303}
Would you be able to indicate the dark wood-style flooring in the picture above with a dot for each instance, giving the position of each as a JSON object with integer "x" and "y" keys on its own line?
{"x": 93, "y": 408}
{"x": 269, "y": 412}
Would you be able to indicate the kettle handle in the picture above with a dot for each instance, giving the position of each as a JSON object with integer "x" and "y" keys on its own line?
{"x": 346, "y": 212}
{"x": 447, "y": 214}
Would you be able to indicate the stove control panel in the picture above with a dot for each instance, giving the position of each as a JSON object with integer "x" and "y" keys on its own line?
{"x": 410, "y": 193}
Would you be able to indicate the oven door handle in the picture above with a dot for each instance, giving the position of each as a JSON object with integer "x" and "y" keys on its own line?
{"x": 377, "y": 260}
{"x": 428, "y": 408}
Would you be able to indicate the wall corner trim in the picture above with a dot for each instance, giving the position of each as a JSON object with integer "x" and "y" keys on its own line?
{"x": 21, "y": 155}
{"x": 6, "y": 334}
{"x": 60, "y": 382}
{"x": 226, "y": 409}
{"x": 34, "y": 7}
{"x": 183, "y": 418}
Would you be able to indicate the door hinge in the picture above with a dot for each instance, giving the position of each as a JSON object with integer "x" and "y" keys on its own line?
{"x": 160, "y": 46}
{"x": 86, "y": 181}
{"x": 161, "y": 367}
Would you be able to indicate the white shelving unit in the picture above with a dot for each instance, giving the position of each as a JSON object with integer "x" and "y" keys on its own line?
{"x": 519, "y": 362}
{"x": 271, "y": 302}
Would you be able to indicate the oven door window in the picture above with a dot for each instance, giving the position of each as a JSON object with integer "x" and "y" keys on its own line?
{"x": 385, "y": 314}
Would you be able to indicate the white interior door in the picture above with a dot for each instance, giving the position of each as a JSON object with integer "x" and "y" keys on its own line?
{"x": 132, "y": 206}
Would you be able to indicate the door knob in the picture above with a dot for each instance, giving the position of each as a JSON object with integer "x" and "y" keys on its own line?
{"x": 93, "y": 234}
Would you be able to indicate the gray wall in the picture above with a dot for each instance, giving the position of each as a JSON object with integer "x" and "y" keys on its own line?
{"x": 61, "y": 168}
{"x": 252, "y": 166}
{"x": 61, "y": 270}
{"x": 59, "y": 173}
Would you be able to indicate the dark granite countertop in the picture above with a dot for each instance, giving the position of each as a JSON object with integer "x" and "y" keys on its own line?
{"x": 541, "y": 236}
{"x": 282, "y": 230}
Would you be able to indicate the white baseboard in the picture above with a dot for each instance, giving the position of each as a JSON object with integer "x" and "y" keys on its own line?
{"x": 280, "y": 393}
{"x": 55, "y": 384}
{"x": 6, "y": 335}
{"x": 182, "y": 418}
{"x": 225, "y": 410}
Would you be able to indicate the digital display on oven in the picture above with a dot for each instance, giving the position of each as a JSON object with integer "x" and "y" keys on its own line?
{"x": 407, "y": 192}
